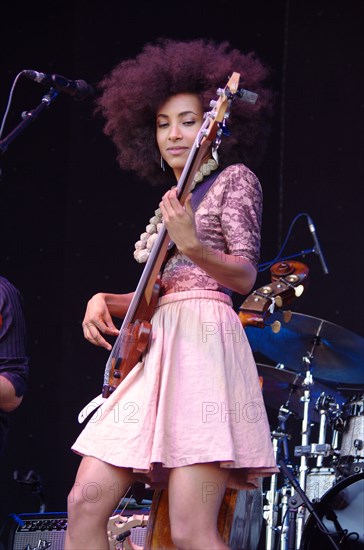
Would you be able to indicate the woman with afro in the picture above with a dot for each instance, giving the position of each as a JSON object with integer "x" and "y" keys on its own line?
{"x": 190, "y": 415}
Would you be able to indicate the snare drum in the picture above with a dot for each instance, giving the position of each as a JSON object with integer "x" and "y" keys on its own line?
{"x": 341, "y": 510}
{"x": 352, "y": 443}
{"x": 318, "y": 482}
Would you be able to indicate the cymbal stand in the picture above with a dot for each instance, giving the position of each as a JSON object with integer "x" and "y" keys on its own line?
{"x": 305, "y": 433}
{"x": 270, "y": 510}
{"x": 287, "y": 492}
{"x": 304, "y": 451}
{"x": 279, "y": 441}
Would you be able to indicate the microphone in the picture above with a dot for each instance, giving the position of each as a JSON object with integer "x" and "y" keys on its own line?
{"x": 317, "y": 248}
{"x": 79, "y": 89}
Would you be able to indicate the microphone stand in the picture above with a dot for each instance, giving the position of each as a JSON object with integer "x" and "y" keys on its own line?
{"x": 28, "y": 117}
{"x": 34, "y": 480}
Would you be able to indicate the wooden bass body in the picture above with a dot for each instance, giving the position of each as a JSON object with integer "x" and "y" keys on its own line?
{"x": 239, "y": 522}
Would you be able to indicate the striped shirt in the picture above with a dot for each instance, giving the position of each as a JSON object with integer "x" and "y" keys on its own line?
{"x": 14, "y": 364}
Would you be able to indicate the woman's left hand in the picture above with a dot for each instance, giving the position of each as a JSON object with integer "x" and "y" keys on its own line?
{"x": 179, "y": 220}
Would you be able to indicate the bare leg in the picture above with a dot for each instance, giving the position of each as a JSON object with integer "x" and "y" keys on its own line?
{"x": 96, "y": 492}
{"x": 195, "y": 495}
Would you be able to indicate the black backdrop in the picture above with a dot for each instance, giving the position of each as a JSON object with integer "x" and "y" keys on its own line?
{"x": 69, "y": 217}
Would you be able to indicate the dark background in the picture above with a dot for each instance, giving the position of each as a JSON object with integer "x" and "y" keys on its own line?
{"x": 69, "y": 217}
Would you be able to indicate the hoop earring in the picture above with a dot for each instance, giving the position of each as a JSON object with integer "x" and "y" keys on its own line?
{"x": 163, "y": 166}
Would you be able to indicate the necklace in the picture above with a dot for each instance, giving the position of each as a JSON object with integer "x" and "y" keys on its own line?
{"x": 147, "y": 239}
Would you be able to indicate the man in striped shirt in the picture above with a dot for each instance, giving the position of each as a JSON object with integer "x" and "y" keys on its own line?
{"x": 14, "y": 366}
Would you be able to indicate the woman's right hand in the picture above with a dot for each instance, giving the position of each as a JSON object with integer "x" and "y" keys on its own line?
{"x": 98, "y": 321}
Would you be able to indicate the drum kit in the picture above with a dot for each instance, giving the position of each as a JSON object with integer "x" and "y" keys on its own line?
{"x": 317, "y": 385}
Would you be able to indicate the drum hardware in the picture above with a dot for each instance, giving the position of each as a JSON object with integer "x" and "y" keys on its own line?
{"x": 348, "y": 467}
{"x": 293, "y": 389}
{"x": 280, "y": 434}
{"x": 271, "y": 509}
{"x": 306, "y": 449}
{"x": 325, "y": 405}
{"x": 286, "y": 492}
{"x": 281, "y": 385}
{"x": 320, "y": 479}
{"x": 336, "y": 357}
{"x": 277, "y": 535}
{"x": 314, "y": 449}
{"x": 337, "y": 426}
{"x": 305, "y": 433}
{"x": 297, "y": 502}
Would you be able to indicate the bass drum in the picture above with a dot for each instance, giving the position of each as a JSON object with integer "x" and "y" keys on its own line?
{"x": 341, "y": 510}
{"x": 239, "y": 523}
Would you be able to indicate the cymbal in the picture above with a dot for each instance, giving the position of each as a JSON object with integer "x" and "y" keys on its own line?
{"x": 335, "y": 354}
{"x": 284, "y": 387}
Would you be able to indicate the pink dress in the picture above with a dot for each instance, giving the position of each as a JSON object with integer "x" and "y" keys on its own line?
{"x": 195, "y": 397}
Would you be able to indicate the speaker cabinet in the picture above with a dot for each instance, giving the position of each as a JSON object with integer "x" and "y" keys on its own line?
{"x": 29, "y": 531}
{"x": 48, "y": 530}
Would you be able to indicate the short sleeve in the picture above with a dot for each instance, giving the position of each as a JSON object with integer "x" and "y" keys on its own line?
{"x": 241, "y": 212}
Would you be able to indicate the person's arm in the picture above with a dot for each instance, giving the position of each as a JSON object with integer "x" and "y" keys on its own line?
{"x": 9, "y": 401}
{"x": 234, "y": 272}
{"x": 98, "y": 316}
{"x": 14, "y": 364}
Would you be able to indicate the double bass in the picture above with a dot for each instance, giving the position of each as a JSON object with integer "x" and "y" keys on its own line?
{"x": 288, "y": 281}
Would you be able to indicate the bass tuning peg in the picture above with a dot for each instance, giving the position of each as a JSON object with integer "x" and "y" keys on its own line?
{"x": 275, "y": 327}
{"x": 287, "y": 316}
{"x": 299, "y": 290}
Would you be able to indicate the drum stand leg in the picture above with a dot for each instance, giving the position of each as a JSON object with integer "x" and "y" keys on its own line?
{"x": 271, "y": 509}
{"x": 287, "y": 492}
{"x": 304, "y": 450}
{"x": 296, "y": 502}
{"x": 304, "y": 441}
